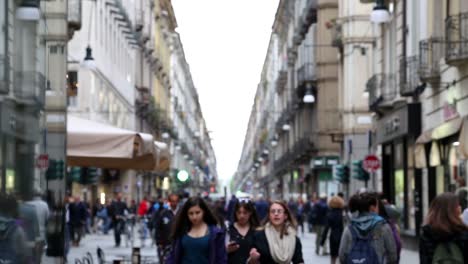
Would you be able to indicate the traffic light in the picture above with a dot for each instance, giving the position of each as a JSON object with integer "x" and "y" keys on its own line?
{"x": 342, "y": 173}
{"x": 93, "y": 176}
{"x": 75, "y": 174}
{"x": 89, "y": 175}
{"x": 182, "y": 176}
{"x": 55, "y": 170}
{"x": 358, "y": 171}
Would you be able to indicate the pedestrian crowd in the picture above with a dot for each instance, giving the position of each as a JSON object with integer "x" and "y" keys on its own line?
{"x": 365, "y": 229}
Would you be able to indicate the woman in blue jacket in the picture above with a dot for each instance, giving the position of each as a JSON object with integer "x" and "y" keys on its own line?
{"x": 196, "y": 236}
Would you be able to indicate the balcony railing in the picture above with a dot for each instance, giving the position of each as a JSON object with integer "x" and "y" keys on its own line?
{"x": 409, "y": 78}
{"x": 430, "y": 53}
{"x": 30, "y": 87}
{"x": 306, "y": 74}
{"x": 4, "y": 89}
{"x": 382, "y": 91}
{"x": 456, "y": 32}
{"x": 301, "y": 150}
{"x": 282, "y": 78}
{"x": 74, "y": 14}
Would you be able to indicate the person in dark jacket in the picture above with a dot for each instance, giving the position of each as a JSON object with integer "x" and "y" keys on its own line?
{"x": 162, "y": 225}
{"x": 196, "y": 235}
{"x": 277, "y": 242}
{"x": 335, "y": 225}
{"x": 118, "y": 211}
{"x": 78, "y": 216}
{"x": 230, "y": 208}
{"x": 240, "y": 234}
{"x": 261, "y": 206}
{"x": 321, "y": 209}
{"x": 443, "y": 224}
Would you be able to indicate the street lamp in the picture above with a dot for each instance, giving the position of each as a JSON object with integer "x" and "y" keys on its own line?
{"x": 89, "y": 62}
{"x": 274, "y": 143}
{"x": 380, "y": 13}
{"x": 309, "y": 97}
{"x": 28, "y": 10}
{"x": 165, "y": 135}
{"x": 286, "y": 127}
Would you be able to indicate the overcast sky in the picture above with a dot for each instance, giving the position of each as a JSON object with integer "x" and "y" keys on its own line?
{"x": 225, "y": 43}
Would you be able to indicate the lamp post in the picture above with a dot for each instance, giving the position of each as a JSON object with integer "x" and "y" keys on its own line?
{"x": 309, "y": 98}
{"x": 28, "y": 10}
{"x": 380, "y": 13}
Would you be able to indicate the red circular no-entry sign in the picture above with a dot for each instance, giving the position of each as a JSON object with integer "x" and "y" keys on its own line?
{"x": 371, "y": 163}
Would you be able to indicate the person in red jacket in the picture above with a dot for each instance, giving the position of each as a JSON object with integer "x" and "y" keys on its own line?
{"x": 143, "y": 207}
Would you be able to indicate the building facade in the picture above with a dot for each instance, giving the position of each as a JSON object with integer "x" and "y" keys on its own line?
{"x": 192, "y": 151}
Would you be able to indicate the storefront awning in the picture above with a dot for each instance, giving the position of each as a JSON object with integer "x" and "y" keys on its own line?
{"x": 163, "y": 156}
{"x": 93, "y": 144}
{"x": 445, "y": 130}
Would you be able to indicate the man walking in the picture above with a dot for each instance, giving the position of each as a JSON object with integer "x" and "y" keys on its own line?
{"x": 163, "y": 227}
{"x": 118, "y": 217}
{"x": 321, "y": 208}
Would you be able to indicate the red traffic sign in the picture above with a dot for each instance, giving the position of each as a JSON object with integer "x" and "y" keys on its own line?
{"x": 42, "y": 161}
{"x": 371, "y": 163}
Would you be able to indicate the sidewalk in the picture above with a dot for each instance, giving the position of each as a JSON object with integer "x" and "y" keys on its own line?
{"x": 106, "y": 242}
{"x": 91, "y": 242}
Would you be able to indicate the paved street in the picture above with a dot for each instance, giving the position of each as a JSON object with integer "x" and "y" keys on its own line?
{"x": 106, "y": 242}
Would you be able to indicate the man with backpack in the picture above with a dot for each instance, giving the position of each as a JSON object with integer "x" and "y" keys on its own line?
{"x": 369, "y": 238}
{"x": 320, "y": 209}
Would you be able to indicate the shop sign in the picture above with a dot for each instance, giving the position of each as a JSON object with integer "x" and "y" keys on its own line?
{"x": 405, "y": 121}
{"x": 325, "y": 162}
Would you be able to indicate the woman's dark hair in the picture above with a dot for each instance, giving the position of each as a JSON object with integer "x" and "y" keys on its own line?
{"x": 442, "y": 217}
{"x": 183, "y": 225}
{"x": 249, "y": 207}
{"x": 363, "y": 201}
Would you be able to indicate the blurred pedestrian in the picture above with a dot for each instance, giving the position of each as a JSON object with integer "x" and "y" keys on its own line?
{"x": 13, "y": 240}
{"x": 197, "y": 237}
{"x": 465, "y": 216}
{"x": 444, "y": 235}
{"x": 310, "y": 213}
{"x": 385, "y": 211}
{"x": 163, "y": 223}
{"x": 300, "y": 215}
{"x": 368, "y": 239}
{"x": 321, "y": 210}
{"x": 277, "y": 241}
{"x": 230, "y": 208}
{"x": 77, "y": 220}
{"x": 240, "y": 234}
{"x": 43, "y": 213}
{"x": 261, "y": 206}
{"x": 335, "y": 225}
{"x": 119, "y": 211}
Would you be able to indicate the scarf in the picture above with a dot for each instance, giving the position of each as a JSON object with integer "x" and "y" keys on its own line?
{"x": 281, "y": 249}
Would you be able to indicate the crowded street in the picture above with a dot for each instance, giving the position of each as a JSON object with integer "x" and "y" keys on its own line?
{"x": 91, "y": 242}
{"x": 233, "y": 131}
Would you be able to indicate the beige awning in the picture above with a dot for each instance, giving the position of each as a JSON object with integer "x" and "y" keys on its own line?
{"x": 445, "y": 130}
{"x": 94, "y": 144}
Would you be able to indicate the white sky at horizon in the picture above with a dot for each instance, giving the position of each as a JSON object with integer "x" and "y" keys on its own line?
{"x": 225, "y": 44}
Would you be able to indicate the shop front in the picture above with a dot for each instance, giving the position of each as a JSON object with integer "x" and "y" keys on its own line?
{"x": 322, "y": 167}
{"x": 443, "y": 152}
{"x": 396, "y": 133}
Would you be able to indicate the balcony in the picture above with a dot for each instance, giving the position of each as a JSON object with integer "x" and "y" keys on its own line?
{"x": 430, "y": 53}
{"x": 282, "y": 78}
{"x": 409, "y": 82}
{"x": 74, "y": 16}
{"x": 282, "y": 164}
{"x": 456, "y": 32}
{"x": 139, "y": 20}
{"x": 382, "y": 92}
{"x": 4, "y": 89}
{"x": 29, "y": 88}
{"x": 302, "y": 150}
{"x": 308, "y": 17}
{"x": 306, "y": 76}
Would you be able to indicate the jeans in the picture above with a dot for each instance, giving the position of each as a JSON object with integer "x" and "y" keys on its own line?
{"x": 118, "y": 228}
{"x": 319, "y": 233}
